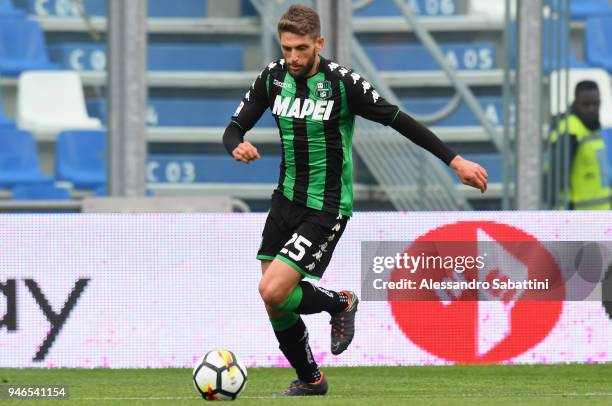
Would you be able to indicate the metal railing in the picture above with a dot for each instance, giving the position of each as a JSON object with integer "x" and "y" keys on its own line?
{"x": 556, "y": 151}
{"x": 412, "y": 178}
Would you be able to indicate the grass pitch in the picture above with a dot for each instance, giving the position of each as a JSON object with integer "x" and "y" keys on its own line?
{"x": 448, "y": 385}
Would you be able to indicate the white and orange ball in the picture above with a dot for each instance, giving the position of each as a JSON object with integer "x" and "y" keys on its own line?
{"x": 219, "y": 375}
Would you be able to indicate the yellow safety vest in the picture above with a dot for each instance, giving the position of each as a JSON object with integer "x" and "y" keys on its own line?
{"x": 589, "y": 181}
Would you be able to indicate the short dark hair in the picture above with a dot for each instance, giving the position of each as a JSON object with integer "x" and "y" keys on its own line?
{"x": 300, "y": 20}
{"x": 585, "y": 86}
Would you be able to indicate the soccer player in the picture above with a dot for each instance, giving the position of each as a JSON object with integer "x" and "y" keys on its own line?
{"x": 314, "y": 102}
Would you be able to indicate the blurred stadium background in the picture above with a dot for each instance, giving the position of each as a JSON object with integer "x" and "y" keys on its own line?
{"x": 120, "y": 106}
{"x": 201, "y": 55}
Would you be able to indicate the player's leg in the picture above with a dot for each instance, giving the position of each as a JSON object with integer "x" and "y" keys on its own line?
{"x": 290, "y": 330}
{"x": 277, "y": 284}
{"x": 288, "y": 327}
{"x": 309, "y": 252}
{"x": 283, "y": 291}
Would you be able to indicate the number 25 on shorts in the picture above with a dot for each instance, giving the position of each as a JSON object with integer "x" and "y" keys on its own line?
{"x": 298, "y": 243}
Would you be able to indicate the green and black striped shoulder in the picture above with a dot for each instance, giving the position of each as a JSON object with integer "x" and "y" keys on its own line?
{"x": 347, "y": 76}
{"x": 273, "y": 69}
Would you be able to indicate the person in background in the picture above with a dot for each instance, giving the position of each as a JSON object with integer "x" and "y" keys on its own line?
{"x": 578, "y": 158}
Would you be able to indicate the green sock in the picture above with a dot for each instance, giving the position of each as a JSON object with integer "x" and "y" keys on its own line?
{"x": 293, "y": 300}
{"x": 285, "y": 322}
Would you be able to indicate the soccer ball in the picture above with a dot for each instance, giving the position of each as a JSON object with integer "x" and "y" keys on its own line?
{"x": 219, "y": 375}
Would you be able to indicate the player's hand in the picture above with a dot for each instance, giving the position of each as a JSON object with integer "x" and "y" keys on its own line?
{"x": 245, "y": 152}
{"x": 470, "y": 173}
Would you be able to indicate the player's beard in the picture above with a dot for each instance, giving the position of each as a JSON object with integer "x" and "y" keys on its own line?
{"x": 309, "y": 64}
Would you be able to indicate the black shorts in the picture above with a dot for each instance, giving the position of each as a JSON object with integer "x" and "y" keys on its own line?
{"x": 304, "y": 238}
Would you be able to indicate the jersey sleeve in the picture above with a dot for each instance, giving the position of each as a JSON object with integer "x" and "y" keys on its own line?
{"x": 253, "y": 104}
{"x": 365, "y": 101}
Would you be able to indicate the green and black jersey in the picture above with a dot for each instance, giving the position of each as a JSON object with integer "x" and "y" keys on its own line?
{"x": 316, "y": 120}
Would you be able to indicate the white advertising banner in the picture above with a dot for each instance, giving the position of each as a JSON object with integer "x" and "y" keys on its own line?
{"x": 159, "y": 290}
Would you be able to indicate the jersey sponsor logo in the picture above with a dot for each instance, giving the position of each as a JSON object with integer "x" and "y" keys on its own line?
{"x": 282, "y": 84}
{"x": 324, "y": 90}
{"x": 302, "y": 108}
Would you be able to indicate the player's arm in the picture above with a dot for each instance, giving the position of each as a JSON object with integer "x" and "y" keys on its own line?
{"x": 251, "y": 108}
{"x": 241, "y": 150}
{"x": 365, "y": 101}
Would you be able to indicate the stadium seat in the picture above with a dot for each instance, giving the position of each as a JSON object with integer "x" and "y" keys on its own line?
{"x": 81, "y": 158}
{"x": 155, "y": 8}
{"x": 22, "y": 47}
{"x": 19, "y": 159}
{"x": 161, "y": 57}
{"x": 175, "y": 112}
{"x": 247, "y": 9}
{"x": 177, "y": 9}
{"x": 493, "y": 10}
{"x": 209, "y": 168}
{"x": 413, "y": 57}
{"x": 40, "y": 192}
{"x": 101, "y": 191}
{"x": 7, "y": 9}
{"x": 550, "y": 49}
{"x": 599, "y": 76}
{"x": 597, "y": 41}
{"x": 387, "y": 8}
{"x": 188, "y": 57}
{"x": 582, "y": 9}
{"x": 463, "y": 116}
{"x": 221, "y": 169}
{"x": 50, "y": 102}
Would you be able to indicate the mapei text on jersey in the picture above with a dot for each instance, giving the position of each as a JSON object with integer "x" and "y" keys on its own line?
{"x": 316, "y": 110}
